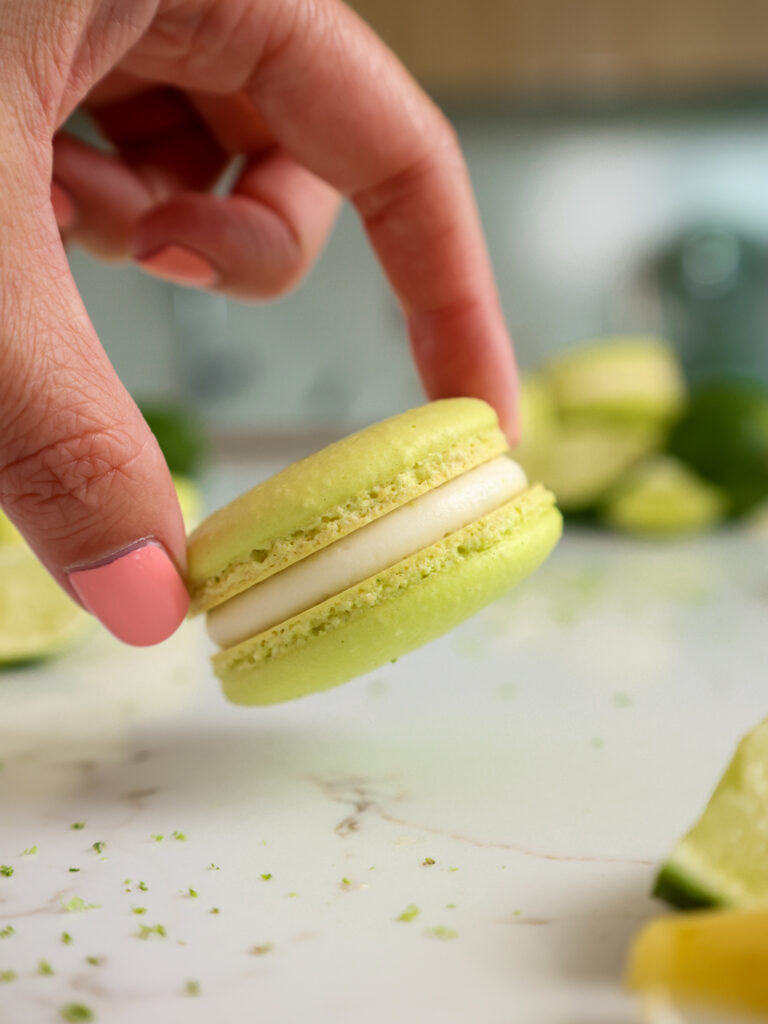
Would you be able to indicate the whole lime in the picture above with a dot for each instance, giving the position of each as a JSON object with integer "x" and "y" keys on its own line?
{"x": 723, "y": 435}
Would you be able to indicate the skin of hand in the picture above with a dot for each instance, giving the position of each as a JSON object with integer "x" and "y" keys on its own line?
{"x": 318, "y": 110}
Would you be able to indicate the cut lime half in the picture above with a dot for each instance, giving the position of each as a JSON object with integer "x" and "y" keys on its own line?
{"x": 723, "y": 860}
{"x": 37, "y": 619}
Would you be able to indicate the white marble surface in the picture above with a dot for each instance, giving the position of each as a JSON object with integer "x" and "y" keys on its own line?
{"x": 545, "y": 755}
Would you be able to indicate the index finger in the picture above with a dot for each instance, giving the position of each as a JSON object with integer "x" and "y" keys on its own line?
{"x": 339, "y": 100}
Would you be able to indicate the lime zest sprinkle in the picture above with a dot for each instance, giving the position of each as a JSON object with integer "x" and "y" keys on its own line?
{"x": 94, "y": 961}
{"x": 77, "y": 1013}
{"x": 6, "y": 870}
{"x": 5, "y": 933}
{"x": 192, "y": 988}
{"x": 453, "y": 869}
{"x": 77, "y": 903}
{"x": 143, "y": 886}
{"x": 158, "y": 837}
{"x": 191, "y": 893}
{"x": 146, "y": 930}
{"x": 267, "y": 876}
{"x": 73, "y": 869}
{"x": 265, "y": 947}
{"x": 180, "y": 836}
{"x": 44, "y": 967}
{"x": 291, "y": 895}
{"x": 138, "y": 910}
{"x": 66, "y": 938}
{"x": 410, "y": 913}
{"x": 428, "y": 862}
{"x": 441, "y": 932}
{"x": 29, "y": 851}
{"x": 98, "y": 846}
{"x": 213, "y": 867}
{"x": 7, "y": 976}
{"x": 77, "y": 825}
{"x": 214, "y": 910}
{"x": 450, "y": 906}
{"x": 346, "y": 881}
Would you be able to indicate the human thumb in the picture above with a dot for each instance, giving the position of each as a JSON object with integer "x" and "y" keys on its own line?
{"x": 80, "y": 473}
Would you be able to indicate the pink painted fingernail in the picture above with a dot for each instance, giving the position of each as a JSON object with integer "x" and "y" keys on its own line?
{"x": 180, "y": 265}
{"x": 63, "y": 207}
{"x": 137, "y": 594}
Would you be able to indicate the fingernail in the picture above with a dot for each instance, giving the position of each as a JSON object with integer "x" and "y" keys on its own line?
{"x": 180, "y": 265}
{"x": 63, "y": 207}
{"x": 138, "y": 594}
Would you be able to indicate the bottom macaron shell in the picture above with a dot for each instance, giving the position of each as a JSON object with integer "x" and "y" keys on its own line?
{"x": 396, "y": 611}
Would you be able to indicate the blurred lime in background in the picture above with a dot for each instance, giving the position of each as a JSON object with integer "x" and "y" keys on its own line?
{"x": 723, "y": 435}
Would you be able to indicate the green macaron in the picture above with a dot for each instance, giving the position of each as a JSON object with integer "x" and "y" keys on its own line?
{"x": 365, "y": 551}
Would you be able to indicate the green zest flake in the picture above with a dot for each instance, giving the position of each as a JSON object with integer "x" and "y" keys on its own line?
{"x": 6, "y": 870}
{"x": 346, "y": 881}
{"x": 29, "y": 851}
{"x": 214, "y": 867}
{"x": 77, "y": 903}
{"x": 428, "y": 862}
{"x": 94, "y": 961}
{"x": 192, "y": 988}
{"x": 410, "y": 913}
{"x": 214, "y": 910}
{"x": 181, "y": 836}
{"x": 127, "y": 881}
{"x": 44, "y": 967}
{"x": 450, "y": 906}
{"x": 265, "y": 947}
{"x": 5, "y": 933}
{"x": 158, "y": 837}
{"x": 77, "y": 1013}
{"x": 7, "y": 976}
{"x": 146, "y": 930}
{"x": 138, "y": 910}
{"x": 453, "y": 869}
{"x": 74, "y": 869}
{"x": 77, "y": 825}
{"x": 441, "y": 932}
{"x": 192, "y": 893}
{"x": 143, "y": 886}
{"x": 66, "y": 938}
{"x": 292, "y": 894}
{"x": 267, "y": 876}
{"x": 98, "y": 846}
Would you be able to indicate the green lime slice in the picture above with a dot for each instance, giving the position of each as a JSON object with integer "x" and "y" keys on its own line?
{"x": 662, "y": 497}
{"x": 37, "y": 619}
{"x": 724, "y": 437}
{"x": 586, "y": 461}
{"x": 723, "y": 860}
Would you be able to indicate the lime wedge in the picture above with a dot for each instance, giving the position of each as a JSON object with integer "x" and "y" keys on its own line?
{"x": 585, "y": 461}
{"x": 662, "y": 497}
{"x": 716, "y": 961}
{"x": 37, "y": 619}
{"x": 723, "y": 860}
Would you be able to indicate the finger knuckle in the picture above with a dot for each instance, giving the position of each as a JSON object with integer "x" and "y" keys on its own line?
{"x": 57, "y": 478}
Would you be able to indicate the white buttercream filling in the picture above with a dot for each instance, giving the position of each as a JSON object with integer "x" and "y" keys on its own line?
{"x": 372, "y": 548}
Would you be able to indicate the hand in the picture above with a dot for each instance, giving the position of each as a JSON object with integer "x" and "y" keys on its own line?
{"x": 320, "y": 109}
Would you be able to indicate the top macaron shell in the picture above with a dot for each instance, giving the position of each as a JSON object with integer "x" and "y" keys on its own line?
{"x": 322, "y": 498}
